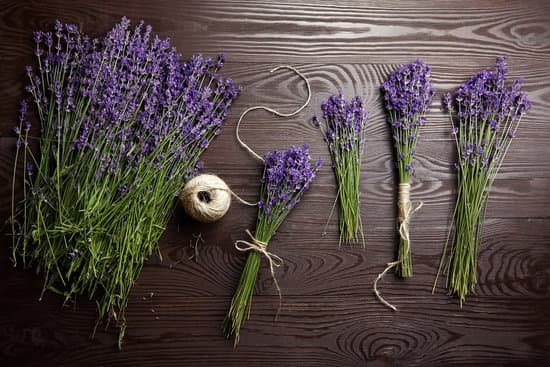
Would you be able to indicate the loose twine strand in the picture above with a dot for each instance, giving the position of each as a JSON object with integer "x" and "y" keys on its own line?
{"x": 256, "y": 245}
{"x": 207, "y": 198}
{"x": 405, "y": 212}
{"x": 273, "y": 111}
{"x": 273, "y": 260}
{"x": 240, "y": 199}
{"x": 380, "y": 276}
{"x": 212, "y": 187}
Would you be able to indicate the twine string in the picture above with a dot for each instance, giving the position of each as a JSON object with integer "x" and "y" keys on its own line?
{"x": 239, "y": 199}
{"x": 271, "y": 110}
{"x": 207, "y": 198}
{"x": 405, "y": 212}
{"x": 380, "y": 276}
{"x": 273, "y": 260}
{"x": 208, "y": 188}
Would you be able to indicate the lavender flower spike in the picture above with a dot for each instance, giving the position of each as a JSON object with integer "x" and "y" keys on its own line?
{"x": 344, "y": 127}
{"x": 485, "y": 113}
{"x": 407, "y": 94}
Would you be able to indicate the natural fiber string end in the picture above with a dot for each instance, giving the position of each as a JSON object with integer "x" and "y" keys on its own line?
{"x": 375, "y": 285}
{"x": 271, "y": 110}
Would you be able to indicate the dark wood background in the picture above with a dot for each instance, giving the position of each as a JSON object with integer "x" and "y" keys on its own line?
{"x": 329, "y": 315}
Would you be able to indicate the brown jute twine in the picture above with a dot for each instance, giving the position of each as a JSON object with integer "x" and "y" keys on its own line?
{"x": 405, "y": 211}
{"x": 273, "y": 111}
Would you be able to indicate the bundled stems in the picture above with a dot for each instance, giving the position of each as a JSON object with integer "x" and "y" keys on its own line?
{"x": 287, "y": 175}
{"x": 344, "y": 130}
{"x": 485, "y": 113}
{"x": 239, "y": 310}
{"x": 404, "y": 262}
{"x": 408, "y": 93}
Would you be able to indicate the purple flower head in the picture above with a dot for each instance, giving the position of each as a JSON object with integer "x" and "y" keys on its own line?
{"x": 141, "y": 97}
{"x": 447, "y": 102}
{"x": 486, "y": 97}
{"x": 407, "y": 94}
{"x": 29, "y": 167}
{"x": 287, "y": 174}
{"x": 346, "y": 123}
{"x": 489, "y": 109}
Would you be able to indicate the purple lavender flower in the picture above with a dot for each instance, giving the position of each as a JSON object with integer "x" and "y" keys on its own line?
{"x": 287, "y": 175}
{"x": 408, "y": 93}
{"x": 345, "y": 123}
{"x": 344, "y": 127}
{"x": 489, "y": 111}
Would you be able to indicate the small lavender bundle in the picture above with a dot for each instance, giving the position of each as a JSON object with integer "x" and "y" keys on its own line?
{"x": 485, "y": 113}
{"x": 407, "y": 94}
{"x": 287, "y": 175}
{"x": 344, "y": 130}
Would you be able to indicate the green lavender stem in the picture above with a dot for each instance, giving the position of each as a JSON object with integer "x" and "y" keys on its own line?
{"x": 241, "y": 303}
{"x": 404, "y": 268}
{"x": 348, "y": 171}
{"x": 404, "y": 265}
{"x": 468, "y": 224}
{"x": 242, "y": 299}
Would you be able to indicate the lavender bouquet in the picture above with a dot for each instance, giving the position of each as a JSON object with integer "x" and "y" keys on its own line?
{"x": 287, "y": 175}
{"x": 344, "y": 130}
{"x": 123, "y": 121}
{"x": 485, "y": 112}
{"x": 407, "y": 97}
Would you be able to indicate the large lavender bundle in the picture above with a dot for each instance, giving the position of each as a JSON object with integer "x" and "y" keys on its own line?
{"x": 408, "y": 93}
{"x": 123, "y": 121}
{"x": 486, "y": 113}
{"x": 344, "y": 127}
{"x": 287, "y": 175}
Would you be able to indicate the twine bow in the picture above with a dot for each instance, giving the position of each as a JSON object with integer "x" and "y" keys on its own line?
{"x": 273, "y": 260}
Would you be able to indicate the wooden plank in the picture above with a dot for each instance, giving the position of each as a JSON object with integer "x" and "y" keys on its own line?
{"x": 322, "y": 331}
{"x": 334, "y": 33}
{"x": 329, "y": 315}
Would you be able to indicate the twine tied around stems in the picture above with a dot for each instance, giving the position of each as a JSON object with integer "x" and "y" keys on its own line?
{"x": 405, "y": 212}
{"x": 273, "y": 260}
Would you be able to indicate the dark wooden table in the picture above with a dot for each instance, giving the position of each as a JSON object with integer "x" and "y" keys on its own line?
{"x": 329, "y": 315}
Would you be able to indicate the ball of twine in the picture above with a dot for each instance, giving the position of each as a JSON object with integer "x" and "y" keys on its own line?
{"x": 206, "y": 198}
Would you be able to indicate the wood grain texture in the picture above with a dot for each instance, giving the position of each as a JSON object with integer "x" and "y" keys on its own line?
{"x": 329, "y": 315}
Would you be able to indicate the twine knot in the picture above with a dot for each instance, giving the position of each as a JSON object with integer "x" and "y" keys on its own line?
{"x": 405, "y": 210}
{"x": 273, "y": 260}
